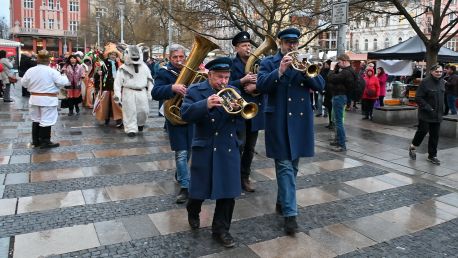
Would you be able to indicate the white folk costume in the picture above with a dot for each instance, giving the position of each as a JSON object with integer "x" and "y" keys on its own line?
{"x": 43, "y": 83}
{"x": 132, "y": 85}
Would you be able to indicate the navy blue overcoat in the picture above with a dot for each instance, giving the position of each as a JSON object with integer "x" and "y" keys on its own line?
{"x": 238, "y": 72}
{"x": 215, "y": 161}
{"x": 180, "y": 136}
{"x": 289, "y": 132}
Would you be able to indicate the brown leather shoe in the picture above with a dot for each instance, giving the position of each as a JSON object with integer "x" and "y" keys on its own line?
{"x": 246, "y": 185}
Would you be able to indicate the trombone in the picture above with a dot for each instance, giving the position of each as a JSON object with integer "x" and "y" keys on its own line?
{"x": 301, "y": 63}
{"x": 234, "y": 104}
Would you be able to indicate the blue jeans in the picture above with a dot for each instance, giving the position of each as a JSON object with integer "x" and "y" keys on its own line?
{"x": 181, "y": 162}
{"x": 286, "y": 171}
{"x": 451, "y": 100}
{"x": 338, "y": 105}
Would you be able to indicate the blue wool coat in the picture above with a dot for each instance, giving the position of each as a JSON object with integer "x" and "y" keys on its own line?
{"x": 238, "y": 72}
{"x": 180, "y": 136}
{"x": 289, "y": 132}
{"x": 215, "y": 164}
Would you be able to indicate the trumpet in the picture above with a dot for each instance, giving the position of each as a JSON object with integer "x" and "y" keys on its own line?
{"x": 234, "y": 104}
{"x": 301, "y": 63}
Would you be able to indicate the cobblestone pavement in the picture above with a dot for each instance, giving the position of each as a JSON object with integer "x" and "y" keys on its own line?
{"x": 102, "y": 194}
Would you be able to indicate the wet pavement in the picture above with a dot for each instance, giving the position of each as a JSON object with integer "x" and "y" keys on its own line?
{"x": 102, "y": 194}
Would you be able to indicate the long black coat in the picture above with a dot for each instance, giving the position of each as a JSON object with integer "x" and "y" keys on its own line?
{"x": 430, "y": 99}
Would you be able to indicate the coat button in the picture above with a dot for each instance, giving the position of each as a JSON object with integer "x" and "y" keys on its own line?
{"x": 229, "y": 150}
{"x": 289, "y": 99}
{"x": 214, "y": 149}
{"x": 231, "y": 135}
{"x": 233, "y": 120}
{"x": 290, "y": 114}
{"x": 289, "y": 85}
{"x": 302, "y": 84}
{"x": 302, "y": 113}
{"x": 216, "y": 133}
{"x": 302, "y": 99}
{"x": 260, "y": 104}
{"x": 213, "y": 120}
{"x": 276, "y": 81}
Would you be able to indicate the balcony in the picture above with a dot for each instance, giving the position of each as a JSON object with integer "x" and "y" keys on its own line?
{"x": 18, "y": 31}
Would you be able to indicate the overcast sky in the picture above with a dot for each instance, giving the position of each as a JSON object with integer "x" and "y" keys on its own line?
{"x": 5, "y": 10}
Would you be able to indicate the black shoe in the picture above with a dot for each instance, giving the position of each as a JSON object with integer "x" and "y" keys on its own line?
{"x": 246, "y": 185}
{"x": 325, "y": 115}
{"x": 434, "y": 160}
{"x": 318, "y": 115}
{"x": 412, "y": 153}
{"x": 107, "y": 121}
{"x": 278, "y": 208}
{"x": 366, "y": 118}
{"x": 131, "y": 134}
{"x": 119, "y": 123}
{"x": 334, "y": 143}
{"x": 291, "y": 225}
{"x": 48, "y": 145}
{"x": 8, "y": 100}
{"x": 70, "y": 114}
{"x": 339, "y": 149}
{"x": 194, "y": 222}
{"x": 45, "y": 138}
{"x": 182, "y": 196}
{"x": 35, "y": 134}
{"x": 140, "y": 128}
{"x": 225, "y": 239}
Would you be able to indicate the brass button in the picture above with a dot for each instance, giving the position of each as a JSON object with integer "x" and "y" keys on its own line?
{"x": 290, "y": 114}
{"x": 213, "y": 120}
{"x": 289, "y": 99}
{"x": 216, "y": 133}
{"x": 214, "y": 149}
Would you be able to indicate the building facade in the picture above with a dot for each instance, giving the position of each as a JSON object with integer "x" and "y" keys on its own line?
{"x": 48, "y": 24}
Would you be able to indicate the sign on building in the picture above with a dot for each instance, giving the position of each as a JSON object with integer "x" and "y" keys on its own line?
{"x": 339, "y": 13}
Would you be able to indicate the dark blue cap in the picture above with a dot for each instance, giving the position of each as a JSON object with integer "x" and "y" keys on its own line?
{"x": 219, "y": 64}
{"x": 242, "y": 36}
{"x": 290, "y": 33}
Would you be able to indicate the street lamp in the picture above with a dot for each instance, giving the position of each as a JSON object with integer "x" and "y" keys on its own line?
{"x": 122, "y": 5}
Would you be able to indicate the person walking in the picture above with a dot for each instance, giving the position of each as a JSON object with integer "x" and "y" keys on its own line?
{"x": 451, "y": 89}
{"x": 382, "y": 79}
{"x": 75, "y": 74}
{"x": 6, "y": 76}
{"x": 370, "y": 93}
{"x": 43, "y": 83}
{"x": 430, "y": 100}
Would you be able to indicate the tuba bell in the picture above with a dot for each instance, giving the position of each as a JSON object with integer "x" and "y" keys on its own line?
{"x": 234, "y": 104}
{"x": 301, "y": 63}
{"x": 188, "y": 75}
{"x": 252, "y": 64}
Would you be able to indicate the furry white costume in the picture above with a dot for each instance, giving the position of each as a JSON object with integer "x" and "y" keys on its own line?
{"x": 132, "y": 86}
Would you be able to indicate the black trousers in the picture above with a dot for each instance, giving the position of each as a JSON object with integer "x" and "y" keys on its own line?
{"x": 221, "y": 218}
{"x": 248, "y": 139}
{"x": 433, "y": 130}
{"x": 367, "y": 105}
{"x": 380, "y": 100}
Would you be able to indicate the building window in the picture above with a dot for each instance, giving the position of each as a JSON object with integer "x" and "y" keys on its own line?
{"x": 366, "y": 44}
{"x": 451, "y": 44}
{"x": 73, "y": 25}
{"x": 387, "y": 20}
{"x": 357, "y": 45}
{"x": 28, "y": 3}
{"x": 51, "y": 24}
{"x": 451, "y": 17}
{"x": 74, "y": 6}
{"x": 387, "y": 42}
{"x": 375, "y": 44}
{"x": 28, "y": 23}
{"x": 51, "y": 4}
{"x": 399, "y": 39}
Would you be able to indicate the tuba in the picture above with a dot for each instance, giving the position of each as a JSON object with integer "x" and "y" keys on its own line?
{"x": 230, "y": 98}
{"x": 301, "y": 63}
{"x": 187, "y": 76}
{"x": 252, "y": 65}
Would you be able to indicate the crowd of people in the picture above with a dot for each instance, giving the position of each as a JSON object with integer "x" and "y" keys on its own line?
{"x": 221, "y": 145}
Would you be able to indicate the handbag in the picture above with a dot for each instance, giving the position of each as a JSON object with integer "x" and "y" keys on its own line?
{"x": 12, "y": 78}
{"x": 62, "y": 94}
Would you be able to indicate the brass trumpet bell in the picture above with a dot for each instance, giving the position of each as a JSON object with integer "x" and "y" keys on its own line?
{"x": 234, "y": 104}
{"x": 302, "y": 64}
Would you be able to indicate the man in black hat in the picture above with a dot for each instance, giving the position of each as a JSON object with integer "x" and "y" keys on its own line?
{"x": 215, "y": 164}
{"x": 246, "y": 83}
{"x": 289, "y": 120}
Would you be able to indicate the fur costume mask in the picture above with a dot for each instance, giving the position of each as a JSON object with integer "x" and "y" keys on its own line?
{"x": 133, "y": 54}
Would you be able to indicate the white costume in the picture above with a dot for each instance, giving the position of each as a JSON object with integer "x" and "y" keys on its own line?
{"x": 43, "y": 83}
{"x": 132, "y": 86}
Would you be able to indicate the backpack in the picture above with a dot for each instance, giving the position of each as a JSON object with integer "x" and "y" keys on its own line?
{"x": 357, "y": 91}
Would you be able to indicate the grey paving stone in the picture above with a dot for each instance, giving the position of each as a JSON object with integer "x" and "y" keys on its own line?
{"x": 140, "y": 227}
{"x": 17, "y": 178}
{"x": 4, "y": 246}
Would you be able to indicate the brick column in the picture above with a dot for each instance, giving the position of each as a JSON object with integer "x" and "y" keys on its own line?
{"x": 44, "y": 43}
{"x": 60, "y": 47}
{"x": 34, "y": 45}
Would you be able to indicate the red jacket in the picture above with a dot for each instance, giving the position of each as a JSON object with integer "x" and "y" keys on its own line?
{"x": 372, "y": 89}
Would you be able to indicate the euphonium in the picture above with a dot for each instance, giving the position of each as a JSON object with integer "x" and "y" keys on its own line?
{"x": 302, "y": 64}
{"x": 231, "y": 98}
{"x": 187, "y": 76}
{"x": 252, "y": 65}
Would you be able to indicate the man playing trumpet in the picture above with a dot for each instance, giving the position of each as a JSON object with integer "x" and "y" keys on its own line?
{"x": 289, "y": 120}
{"x": 246, "y": 83}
